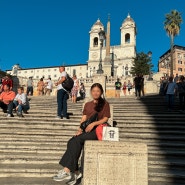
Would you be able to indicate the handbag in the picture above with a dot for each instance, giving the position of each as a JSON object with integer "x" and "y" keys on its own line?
{"x": 99, "y": 131}
{"x": 105, "y": 132}
{"x": 68, "y": 83}
{"x": 92, "y": 119}
{"x": 110, "y": 134}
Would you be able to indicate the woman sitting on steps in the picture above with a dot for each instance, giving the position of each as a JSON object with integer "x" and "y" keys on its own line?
{"x": 75, "y": 145}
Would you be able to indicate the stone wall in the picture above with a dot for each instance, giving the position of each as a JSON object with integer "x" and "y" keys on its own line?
{"x": 108, "y": 163}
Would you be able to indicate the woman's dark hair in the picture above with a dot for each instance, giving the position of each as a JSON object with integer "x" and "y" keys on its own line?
{"x": 101, "y": 101}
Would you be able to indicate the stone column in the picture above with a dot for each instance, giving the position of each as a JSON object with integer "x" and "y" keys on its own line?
{"x": 107, "y": 60}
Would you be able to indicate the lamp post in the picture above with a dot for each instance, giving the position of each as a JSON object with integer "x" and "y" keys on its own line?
{"x": 112, "y": 62}
{"x": 150, "y": 76}
{"x": 126, "y": 70}
{"x": 102, "y": 38}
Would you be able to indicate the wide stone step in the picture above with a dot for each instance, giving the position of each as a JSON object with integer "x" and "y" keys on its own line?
{"x": 30, "y": 181}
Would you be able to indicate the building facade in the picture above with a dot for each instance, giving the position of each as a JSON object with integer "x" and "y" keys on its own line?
{"x": 49, "y": 72}
{"x": 123, "y": 53}
{"x": 178, "y": 61}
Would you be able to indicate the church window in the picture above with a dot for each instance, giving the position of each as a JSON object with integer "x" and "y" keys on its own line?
{"x": 95, "y": 44}
{"x": 127, "y": 38}
{"x": 180, "y": 69}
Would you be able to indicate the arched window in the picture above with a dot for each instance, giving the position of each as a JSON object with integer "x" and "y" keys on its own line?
{"x": 95, "y": 43}
{"x": 127, "y": 38}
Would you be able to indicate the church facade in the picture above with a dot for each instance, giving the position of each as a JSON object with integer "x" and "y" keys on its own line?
{"x": 121, "y": 56}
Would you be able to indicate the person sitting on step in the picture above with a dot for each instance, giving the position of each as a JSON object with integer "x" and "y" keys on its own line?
{"x": 75, "y": 145}
{"x": 6, "y": 100}
{"x": 21, "y": 102}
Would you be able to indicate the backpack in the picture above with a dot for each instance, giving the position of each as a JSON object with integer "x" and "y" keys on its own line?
{"x": 68, "y": 83}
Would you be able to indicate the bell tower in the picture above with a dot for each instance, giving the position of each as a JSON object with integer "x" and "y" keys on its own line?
{"x": 128, "y": 32}
{"x": 94, "y": 47}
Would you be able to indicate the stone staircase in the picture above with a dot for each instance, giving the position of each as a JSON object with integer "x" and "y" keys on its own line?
{"x": 31, "y": 147}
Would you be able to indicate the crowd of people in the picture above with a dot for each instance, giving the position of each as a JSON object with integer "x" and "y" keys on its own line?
{"x": 126, "y": 87}
{"x": 9, "y": 101}
{"x": 43, "y": 88}
{"x": 172, "y": 87}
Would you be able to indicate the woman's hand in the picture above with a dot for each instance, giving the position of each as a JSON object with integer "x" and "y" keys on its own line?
{"x": 90, "y": 127}
{"x": 79, "y": 132}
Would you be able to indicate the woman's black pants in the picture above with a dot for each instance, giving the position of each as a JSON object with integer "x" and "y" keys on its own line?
{"x": 74, "y": 149}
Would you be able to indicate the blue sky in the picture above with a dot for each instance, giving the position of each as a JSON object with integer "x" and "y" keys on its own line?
{"x": 36, "y": 33}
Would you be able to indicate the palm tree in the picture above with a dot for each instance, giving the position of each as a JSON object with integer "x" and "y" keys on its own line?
{"x": 172, "y": 26}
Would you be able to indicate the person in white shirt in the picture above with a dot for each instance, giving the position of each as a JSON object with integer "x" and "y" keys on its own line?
{"x": 62, "y": 95}
{"x": 171, "y": 88}
{"x": 21, "y": 102}
{"x": 49, "y": 87}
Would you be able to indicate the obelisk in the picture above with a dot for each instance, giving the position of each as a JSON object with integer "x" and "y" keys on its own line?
{"x": 107, "y": 60}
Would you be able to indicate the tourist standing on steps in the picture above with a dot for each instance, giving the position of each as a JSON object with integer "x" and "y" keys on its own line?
{"x": 49, "y": 86}
{"x": 171, "y": 88}
{"x": 117, "y": 88}
{"x": 124, "y": 88}
{"x": 181, "y": 91}
{"x": 142, "y": 85}
{"x": 74, "y": 91}
{"x": 69, "y": 161}
{"x": 129, "y": 85}
{"x": 137, "y": 84}
{"x": 40, "y": 87}
{"x": 6, "y": 100}
{"x": 62, "y": 95}
{"x": 176, "y": 79}
{"x": 30, "y": 87}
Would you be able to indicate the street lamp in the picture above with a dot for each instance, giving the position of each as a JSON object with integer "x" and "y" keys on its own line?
{"x": 102, "y": 38}
{"x": 112, "y": 62}
{"x": 150, "y": 76}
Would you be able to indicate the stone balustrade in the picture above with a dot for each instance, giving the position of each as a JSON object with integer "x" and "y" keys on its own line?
{"x": 150, "y": 86}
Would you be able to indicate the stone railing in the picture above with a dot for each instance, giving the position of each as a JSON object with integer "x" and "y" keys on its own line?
{"x": 150, "y": 86}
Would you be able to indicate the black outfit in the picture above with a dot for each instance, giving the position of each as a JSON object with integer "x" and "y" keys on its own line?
{"x": 30, "y": 89}
{"x": 76, "y": 143}
{"x": 138, "y": 83}
{"x": 7, "y": 108}
{"x": 181, "y": 89}
{"x": 74, "y": 148}
{"x": 62, "y": 97}
{"x": 118, "y": 85}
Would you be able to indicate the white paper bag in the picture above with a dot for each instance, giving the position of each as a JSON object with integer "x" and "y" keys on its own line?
{"x": 110, "y": 134}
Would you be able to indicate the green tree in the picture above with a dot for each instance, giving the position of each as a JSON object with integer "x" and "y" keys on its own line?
{"x": 172, "y": 24}
{"x": 141, "y": 64}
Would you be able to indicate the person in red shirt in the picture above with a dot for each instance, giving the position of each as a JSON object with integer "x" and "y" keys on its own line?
{"x": 6, "y": 100}
{"x": 7, "y": 81}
